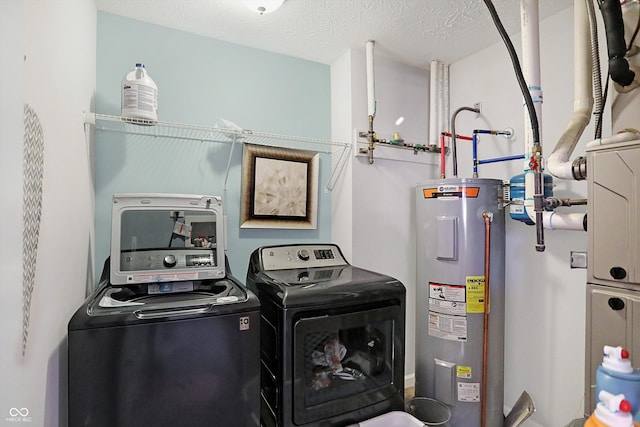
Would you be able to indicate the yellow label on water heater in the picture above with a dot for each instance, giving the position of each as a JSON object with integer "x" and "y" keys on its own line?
{"x": 475, "y": 294}
{"x": 463, "y": 371}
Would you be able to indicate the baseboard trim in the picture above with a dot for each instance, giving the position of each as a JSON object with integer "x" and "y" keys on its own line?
{"x": 410, "y": 380}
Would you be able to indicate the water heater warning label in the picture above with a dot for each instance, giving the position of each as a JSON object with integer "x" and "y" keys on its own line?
{"x": 444, "y": 292}
{"x": 447, "y": 307}
{"x": 452, "y": 328}
{"x": 475, "y": 294}
{"x": 468, "y": 392}
{"x": 447, "y": 311}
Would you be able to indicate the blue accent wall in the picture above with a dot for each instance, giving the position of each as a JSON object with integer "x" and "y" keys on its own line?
{"x": 199, "y": 80}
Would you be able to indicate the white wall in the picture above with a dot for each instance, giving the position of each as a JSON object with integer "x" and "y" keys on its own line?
{"x": 374, "y": 203}
{"x": 545, "y": 298}
{"x": 47, "y": 60}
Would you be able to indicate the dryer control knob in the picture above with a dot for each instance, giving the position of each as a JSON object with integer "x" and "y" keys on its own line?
{"x": 303, "y": 254}
{"x": 169, "y": 261}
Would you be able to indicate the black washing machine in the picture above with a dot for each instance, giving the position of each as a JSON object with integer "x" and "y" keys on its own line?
{"x": 170, "y": 338}
{"x": 332, "y": 337}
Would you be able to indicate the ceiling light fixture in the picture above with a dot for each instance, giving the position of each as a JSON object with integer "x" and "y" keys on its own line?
{"x": 263, "y": 6}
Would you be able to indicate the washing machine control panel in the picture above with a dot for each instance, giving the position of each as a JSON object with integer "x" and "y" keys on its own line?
{"x": 301, "y": 256}
{"x": 166, "y": 259}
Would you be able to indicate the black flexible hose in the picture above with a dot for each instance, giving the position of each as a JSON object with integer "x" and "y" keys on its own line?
{"x": 533, "y": 118}
{"x": 617, "y": 48}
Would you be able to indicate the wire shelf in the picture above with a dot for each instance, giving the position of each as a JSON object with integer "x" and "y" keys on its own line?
{"x": 207, "y": 133}
{"x": 158, "y": 129}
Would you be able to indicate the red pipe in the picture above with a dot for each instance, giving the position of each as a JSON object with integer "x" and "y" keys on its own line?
{"x": 442, "y": 150}
{"x": 466, "y": 138}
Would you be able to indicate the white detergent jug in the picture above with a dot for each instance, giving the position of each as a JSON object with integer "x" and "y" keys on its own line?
{"x": 139, "y": 96}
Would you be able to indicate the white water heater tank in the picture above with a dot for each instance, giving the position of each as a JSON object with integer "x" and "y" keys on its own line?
{"x": 139, "y": 95}
{"x": 450, "y": 294}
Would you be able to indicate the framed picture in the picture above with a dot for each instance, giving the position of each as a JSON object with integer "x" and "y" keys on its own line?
{"x": 279, "y": 188}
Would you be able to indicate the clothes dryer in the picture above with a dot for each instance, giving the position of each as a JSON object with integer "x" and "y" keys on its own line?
{"x": 332, "y": 346}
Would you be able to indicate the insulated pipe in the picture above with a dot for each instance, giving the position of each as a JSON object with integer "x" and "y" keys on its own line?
{"x": 616, "y": 46}
{"x": 488, "y": 217}
{"x": 558, "y": 163}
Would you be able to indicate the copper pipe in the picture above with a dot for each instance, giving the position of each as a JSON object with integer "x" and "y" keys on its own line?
{"x": 488, "y": 217}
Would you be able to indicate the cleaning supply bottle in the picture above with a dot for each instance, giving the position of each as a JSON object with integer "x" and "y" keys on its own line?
{"x": 617, "y": 376}
{"x": 612, "y": 410}
{"x": 139, "y": 96}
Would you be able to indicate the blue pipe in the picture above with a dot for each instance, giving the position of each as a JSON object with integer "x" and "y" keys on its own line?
{"x": 501, "y": 159}
{"x": 474, "y": 141}
{"x": 477, "y": 162}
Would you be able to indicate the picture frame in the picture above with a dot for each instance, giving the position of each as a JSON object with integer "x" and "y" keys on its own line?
{"x": 279, "y": 188}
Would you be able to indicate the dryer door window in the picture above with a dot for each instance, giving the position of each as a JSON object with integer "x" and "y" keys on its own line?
{"x": 345, "y": 361}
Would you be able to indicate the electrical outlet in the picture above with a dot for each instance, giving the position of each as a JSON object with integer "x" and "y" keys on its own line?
{"x": 478, "y": 106}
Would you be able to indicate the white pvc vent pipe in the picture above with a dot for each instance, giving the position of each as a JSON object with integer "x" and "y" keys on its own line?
{"x": 558, "y": 163}
{"x": 371, "y": 87}
{"x": 529, "y": 20}
{"x": 438, "y": 101}
{"x": 614, "y": 139}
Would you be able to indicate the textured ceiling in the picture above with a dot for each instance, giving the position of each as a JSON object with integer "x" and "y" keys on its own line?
{"x": 411, "y": 31}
